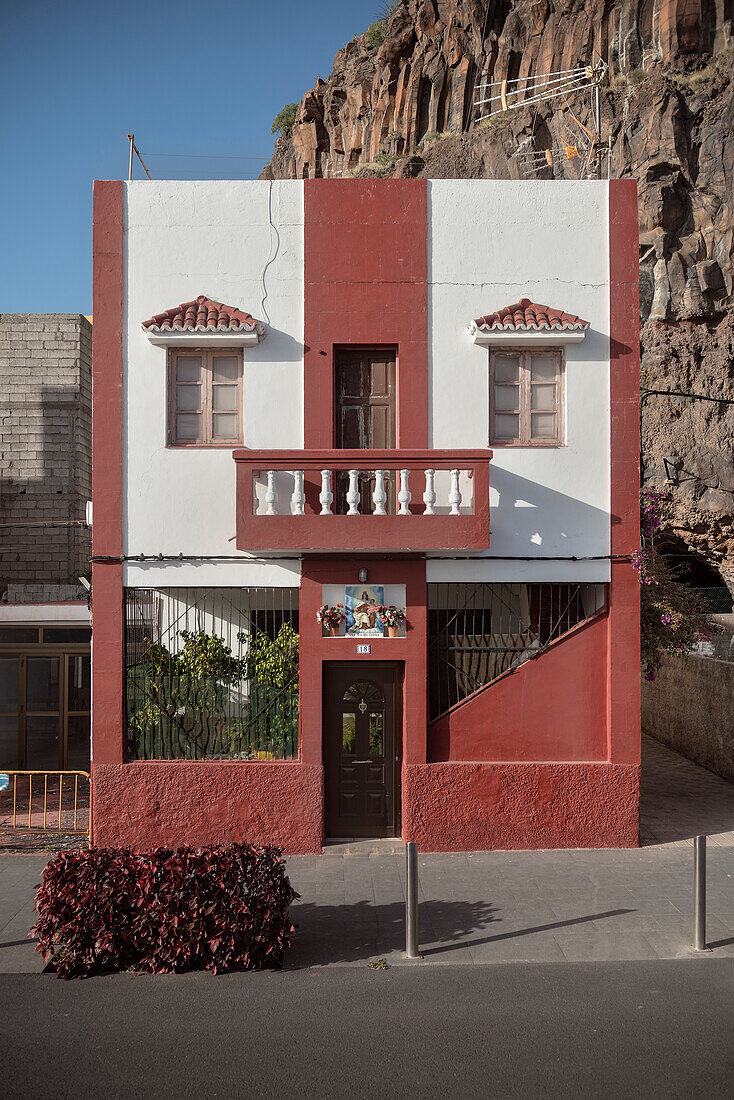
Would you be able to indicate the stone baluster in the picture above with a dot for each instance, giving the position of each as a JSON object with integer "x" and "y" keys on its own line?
{"x": 404, "y": 494}
{"x": 298, "y": 499}
{"x": 429, "y": 497}
{"x": 455, "y": 494}
{"x": 326, "y": 496}
{"x": 379, "y": 496}
{"x": 271, "y": 496}
{"x": 353, "y": 497}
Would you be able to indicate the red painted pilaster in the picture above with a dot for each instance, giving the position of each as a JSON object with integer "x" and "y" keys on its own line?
{"x": 107, "y": 370}
{"x": 411, "y": 651}
{"x": 623, "y": 721}
{"x": 366, "y": 282}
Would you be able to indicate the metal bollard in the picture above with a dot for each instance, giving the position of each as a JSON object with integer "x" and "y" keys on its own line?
{"x": 699, "y": 893}
{"x": 411, "y": 901}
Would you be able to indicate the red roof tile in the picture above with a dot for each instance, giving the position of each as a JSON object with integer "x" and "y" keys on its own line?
{"x": 527, "y": 316}
{"x": 202, "y": 315}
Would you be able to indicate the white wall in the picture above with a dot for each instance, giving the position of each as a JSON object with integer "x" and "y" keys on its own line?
{"x": 184, "y": 239}
{"x": 491, "y": 243}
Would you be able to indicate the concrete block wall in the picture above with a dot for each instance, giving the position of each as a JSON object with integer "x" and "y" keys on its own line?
{"x": 689, "y": 707}
{"x": 45, "y": 452}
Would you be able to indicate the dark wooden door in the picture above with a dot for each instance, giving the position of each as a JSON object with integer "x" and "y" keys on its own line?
{"x": 364, "y": 416}
{"x": 364, "y": 399}
{"x": 361, "y": 709}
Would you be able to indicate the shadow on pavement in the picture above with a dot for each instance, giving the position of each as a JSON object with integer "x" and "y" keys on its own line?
{"x": 354, "y": 933}
{"x": 529, "y": 931}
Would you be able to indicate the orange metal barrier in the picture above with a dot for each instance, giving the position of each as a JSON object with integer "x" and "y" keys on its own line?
{"x": 44, "y": 802}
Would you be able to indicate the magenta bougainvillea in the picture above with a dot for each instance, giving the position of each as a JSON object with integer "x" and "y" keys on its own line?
{"x": 672, "y": 617}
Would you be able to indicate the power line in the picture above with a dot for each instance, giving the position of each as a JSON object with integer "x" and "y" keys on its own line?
{"x": 680, "y": 393}
{"x": 116, "y": 559}
{"x": 206, "y": 156}
{"x": 48, "y": 523}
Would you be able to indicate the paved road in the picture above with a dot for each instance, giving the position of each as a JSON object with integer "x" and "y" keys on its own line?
{"x": 656, "y": 1029}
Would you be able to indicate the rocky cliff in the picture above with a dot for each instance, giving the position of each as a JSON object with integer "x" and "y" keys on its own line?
{"x": 404, "y": 106}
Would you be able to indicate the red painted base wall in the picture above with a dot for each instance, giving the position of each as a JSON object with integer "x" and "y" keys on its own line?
{"x": 145, "y": 804}
{"x": 455, "y": 807}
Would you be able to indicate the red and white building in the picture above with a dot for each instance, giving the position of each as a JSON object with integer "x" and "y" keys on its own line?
{"x": 366, "y": 392}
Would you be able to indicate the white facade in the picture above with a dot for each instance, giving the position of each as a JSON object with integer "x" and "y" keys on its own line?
{"x": 213, "y": 238}
{"x": 490, "y": 243}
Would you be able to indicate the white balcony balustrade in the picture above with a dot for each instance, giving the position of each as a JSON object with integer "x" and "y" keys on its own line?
{"x": 370, "y": 492}
{"x": 329, "y": 501}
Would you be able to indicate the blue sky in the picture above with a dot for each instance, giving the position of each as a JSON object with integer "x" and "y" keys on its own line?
{"x": 77, "y": 75}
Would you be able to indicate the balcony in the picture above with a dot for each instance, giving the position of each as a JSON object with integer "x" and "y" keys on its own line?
{"x": 339, "y": 500}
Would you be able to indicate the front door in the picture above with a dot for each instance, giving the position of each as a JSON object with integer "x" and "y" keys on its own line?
{"x": 361, "y": 712}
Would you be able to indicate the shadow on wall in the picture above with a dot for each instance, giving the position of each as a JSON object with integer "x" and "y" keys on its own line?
{"x": 541, "y": 521}
{"x": 278, "y": 348}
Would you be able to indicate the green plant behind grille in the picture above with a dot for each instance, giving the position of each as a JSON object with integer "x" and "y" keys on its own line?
{"x": 204, "y": 703}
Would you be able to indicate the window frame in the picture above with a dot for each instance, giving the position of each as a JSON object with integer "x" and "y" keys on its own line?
{"x": 206, "y": 354}
{"x": 524, "y": 354}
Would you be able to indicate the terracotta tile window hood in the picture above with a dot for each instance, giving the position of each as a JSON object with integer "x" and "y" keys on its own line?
{"x": 527, "y": 323}
{"x": 203, "y": 322}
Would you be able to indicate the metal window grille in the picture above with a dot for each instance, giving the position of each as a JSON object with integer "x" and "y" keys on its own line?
{"x": 211, "y": 673}
{"x": 477, "y": 632}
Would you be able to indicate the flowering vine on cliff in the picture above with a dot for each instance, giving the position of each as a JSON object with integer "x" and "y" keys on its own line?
{"x": 672, "y": 616}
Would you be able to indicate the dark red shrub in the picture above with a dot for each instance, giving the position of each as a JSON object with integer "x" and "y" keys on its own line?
{"x": 158, "y": 912}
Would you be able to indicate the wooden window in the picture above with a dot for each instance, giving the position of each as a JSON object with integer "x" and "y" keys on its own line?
{"x": 526, "y": 398}
{"x": 204, "y": 397}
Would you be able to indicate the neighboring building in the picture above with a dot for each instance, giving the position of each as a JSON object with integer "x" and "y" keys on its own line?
{"x": 45, "y": 546}
{"x": 357, "y": 403}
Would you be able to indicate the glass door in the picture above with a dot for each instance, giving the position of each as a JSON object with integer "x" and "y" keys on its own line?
{"x": 45, "y": 705}
{"x": 9, "y": 707}
{"x": 78, "y": 705}
{"x": 43, "y": 727}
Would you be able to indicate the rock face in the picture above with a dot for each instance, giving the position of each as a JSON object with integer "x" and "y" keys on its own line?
{"x": 406, "y": 108}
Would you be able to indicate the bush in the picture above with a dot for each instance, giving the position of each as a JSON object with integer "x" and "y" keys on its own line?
{"x": 164, "y": 911}
{"x": 283, "y": 121}
{"x": 375, "y": 33}
{"x": 673, "y": 617}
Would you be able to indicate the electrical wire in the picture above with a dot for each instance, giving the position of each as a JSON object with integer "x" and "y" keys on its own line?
{"x": 680, "y": 393}
{"x": 48, "y": 523}
{"x": 114, "y": 559}
{"x": 271, "y": 255}
{"x": 207, "y": 156}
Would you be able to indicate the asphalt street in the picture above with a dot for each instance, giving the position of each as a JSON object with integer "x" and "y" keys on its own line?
{"x": 630, "y": 1029}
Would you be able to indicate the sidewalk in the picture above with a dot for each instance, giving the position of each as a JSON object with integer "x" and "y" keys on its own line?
{"x": 491, "y": 907}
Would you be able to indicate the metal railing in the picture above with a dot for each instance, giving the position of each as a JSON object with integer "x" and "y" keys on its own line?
{"x": 212, "y": 673}
{"x": 45, "y": 801}
{"x": 479, "y": 631}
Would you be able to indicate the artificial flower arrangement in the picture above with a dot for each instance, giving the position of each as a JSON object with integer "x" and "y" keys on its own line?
{"x": 392, "y": 617}
{"x": 331, "y": 617}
